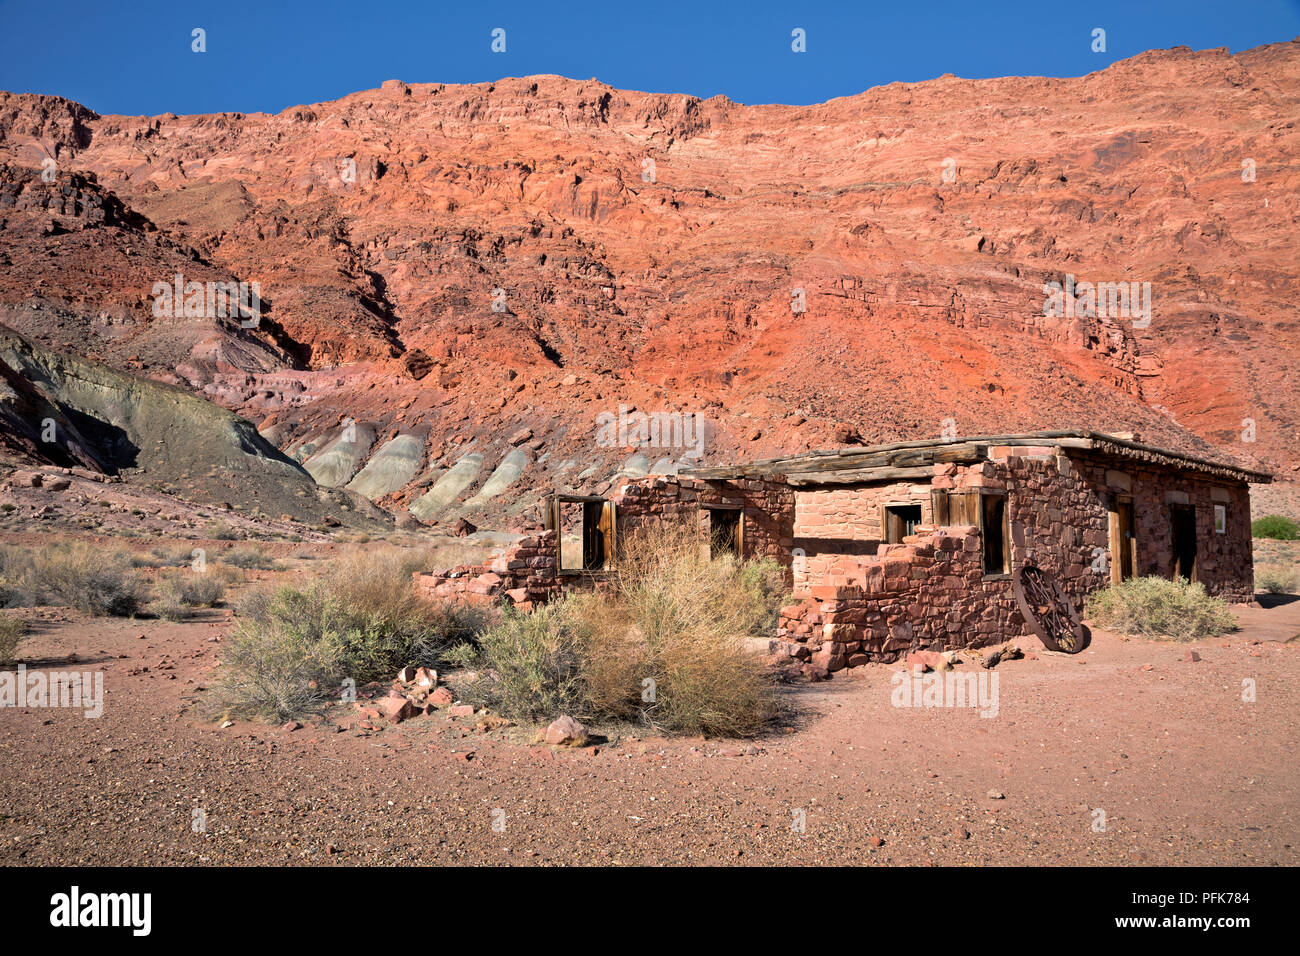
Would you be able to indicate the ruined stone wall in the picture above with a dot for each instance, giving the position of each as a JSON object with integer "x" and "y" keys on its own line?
{"x": 834, "y": 524}
{"x": 524, "y": 574}
{"x": 527, "y": 573}
{"x": 929, "y": 592}
{"x": 767, "y": 508}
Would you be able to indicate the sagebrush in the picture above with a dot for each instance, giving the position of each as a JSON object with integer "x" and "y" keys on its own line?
{"x": 95, "y": 580}
{"x": 1275, "y": 579}
{"x": 1159, "y": 607}
{"x": 361, "y": 620}
{"x": 665, "y": 647}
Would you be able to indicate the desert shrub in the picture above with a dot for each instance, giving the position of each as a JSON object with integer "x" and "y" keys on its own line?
{"x": 12, "y": 630}
{"x": 536, "y": 659}
{"x": 170, "y": 609}
{"x": 275, "y": 672}
{"x": 361, "y": 620}
{"x": 76, "y": 575}
{"x": 228, "y": 574}
{"x": 192, "y": 589}
{"x": 177, "y": 556}
{"x": 1275, "y": 578}
{"x": 15, "y": 577}
{"x": 249, "y": 558}
{"x": 665, "y": 648}
{"x": 1275, "y": 526}
{"x": 1158, "y": 607}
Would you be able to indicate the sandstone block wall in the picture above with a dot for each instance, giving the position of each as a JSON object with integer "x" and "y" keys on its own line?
{"x": 767, "y": 509}
{"x": 832, "y": 525}
{"x": 524, "y": 574}
{"x": 1224, "y": 562}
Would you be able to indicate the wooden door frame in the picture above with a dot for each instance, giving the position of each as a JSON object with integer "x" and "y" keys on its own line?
{"x": 1116, "y": 542}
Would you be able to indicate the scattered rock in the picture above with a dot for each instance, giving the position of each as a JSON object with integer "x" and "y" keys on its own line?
{"x": 395, "y": 709}
{"x": 565, "y": 732}
{"x": 922, "y": 661}
{"x": 441, "y": 697}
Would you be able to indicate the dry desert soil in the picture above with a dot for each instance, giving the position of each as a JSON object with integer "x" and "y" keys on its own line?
{"x": 1164, "y": 749}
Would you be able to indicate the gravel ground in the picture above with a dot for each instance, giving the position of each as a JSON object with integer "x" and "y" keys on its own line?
{"x": 1184, "y": 770}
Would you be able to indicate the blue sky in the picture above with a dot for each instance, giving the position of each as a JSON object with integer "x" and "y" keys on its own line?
{"x": 135, "y": 56}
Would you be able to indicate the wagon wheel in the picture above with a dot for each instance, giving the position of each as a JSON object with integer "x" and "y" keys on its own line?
{"x": 1048, "y": 610}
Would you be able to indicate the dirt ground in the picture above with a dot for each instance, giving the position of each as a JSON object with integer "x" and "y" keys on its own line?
{"x": 1182, "y": 770}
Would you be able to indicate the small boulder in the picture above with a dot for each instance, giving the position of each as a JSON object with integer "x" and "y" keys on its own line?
{"x": 396, "y": 709}
{"x": 922, "y": 661}
{"x": 441, "y": 697}
{"x": 566, "y": 732}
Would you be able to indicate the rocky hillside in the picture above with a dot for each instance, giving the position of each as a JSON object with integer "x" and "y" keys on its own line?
{"x": 67, "y": 411}
{"x": 458, "y": 281}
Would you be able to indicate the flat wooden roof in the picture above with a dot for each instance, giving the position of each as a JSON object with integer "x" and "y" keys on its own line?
{"x": 902, "y": 460}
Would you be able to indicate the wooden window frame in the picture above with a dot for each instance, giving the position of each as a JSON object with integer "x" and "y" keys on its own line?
{"x": 599, "y": 523}
{"x": 708, "y": 510}
{"x": 884, "y": 519}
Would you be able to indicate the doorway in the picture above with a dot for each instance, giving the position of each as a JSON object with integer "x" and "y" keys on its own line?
{"x": 1182, "y": 520}
{"x": 1123, "y": 547}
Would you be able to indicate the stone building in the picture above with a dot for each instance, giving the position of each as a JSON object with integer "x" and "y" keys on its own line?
{"x": 914, "y": 545}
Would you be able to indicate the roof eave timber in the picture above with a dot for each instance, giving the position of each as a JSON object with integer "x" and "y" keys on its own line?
{"x": 880, "y": 459}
